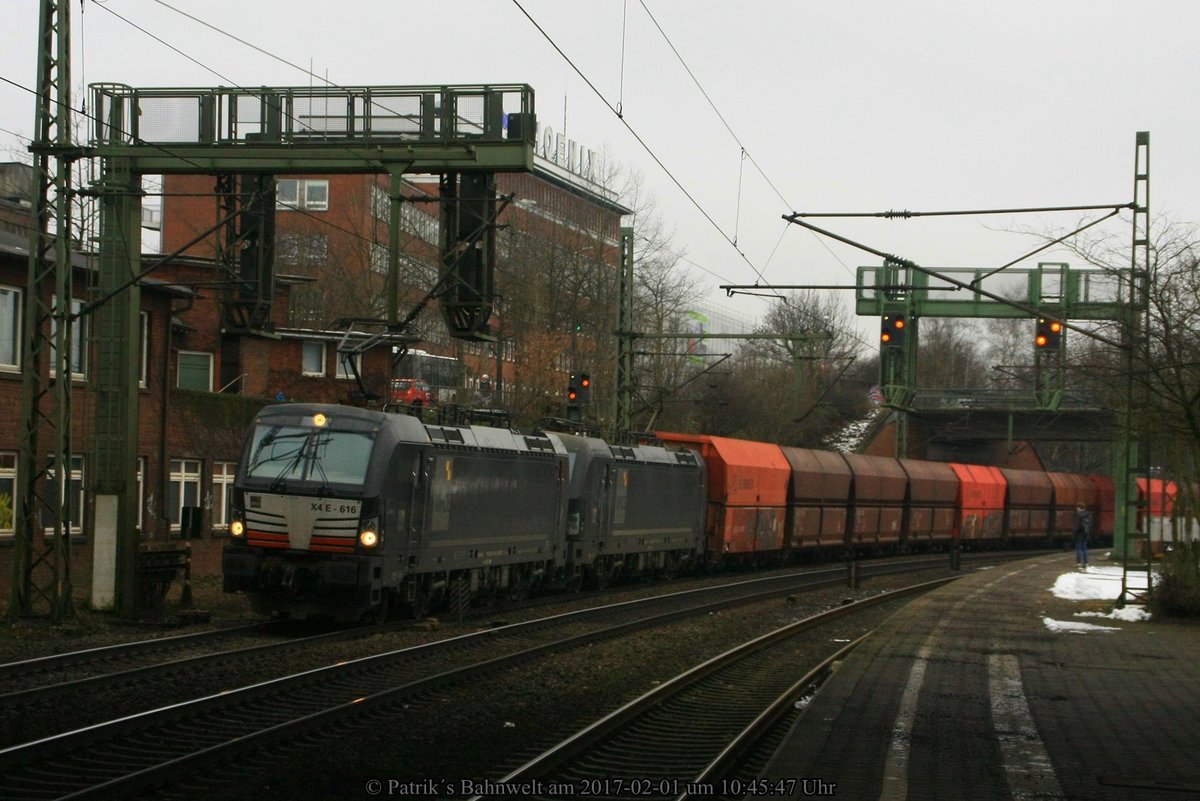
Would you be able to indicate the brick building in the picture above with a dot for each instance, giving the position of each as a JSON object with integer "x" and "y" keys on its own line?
{"x": 200, "y": 386}
{"x": 190, "y": 423}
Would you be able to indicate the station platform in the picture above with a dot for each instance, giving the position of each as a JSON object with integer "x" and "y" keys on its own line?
{"x": 994, "y": 687}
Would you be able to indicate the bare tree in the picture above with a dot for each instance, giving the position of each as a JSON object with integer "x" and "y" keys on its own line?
{"x": 948, "y": 355}
{"x": 1166, "y": 363}
{"x": 793, "y": 386}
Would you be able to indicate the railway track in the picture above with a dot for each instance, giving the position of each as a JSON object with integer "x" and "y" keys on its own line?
{"x": 156, "y": 747}
{"x": 687, "y": 737}
{"x": 130, "y": 673}
{"x": 119, "y": 654}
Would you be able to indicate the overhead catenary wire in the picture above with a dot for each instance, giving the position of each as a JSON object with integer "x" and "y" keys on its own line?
{"x": 316, "y": 218}
{"x": 621, "y": 80}
{"x": 888, "y": 257}
{"x": 746, "y": 155}
{"x": 644, "y": 145}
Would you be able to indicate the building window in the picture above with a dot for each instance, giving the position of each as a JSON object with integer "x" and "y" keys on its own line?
{"x": 302, "y": 248}
{"x": 141, "y": 490}
{"x": 381, "y": 203}
{"x": 74, "y": 497}
{"x": 78, "y": 328}
{"x": 195, "y": 371}
{"x": 379, "y": 258}
{"x": 343, "y": 364}
{"x": 222, "y": 493}
{"x": 310, "y": 194}
{"x": 183, "y": 489}
{"x": 312, "y": 358}
{"x": 8, "y": 493}
{"x": 10, "y": 329}
{"x": 144, "y": 367}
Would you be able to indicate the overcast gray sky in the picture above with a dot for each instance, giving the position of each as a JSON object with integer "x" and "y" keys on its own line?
{"x": 846, "y": 106}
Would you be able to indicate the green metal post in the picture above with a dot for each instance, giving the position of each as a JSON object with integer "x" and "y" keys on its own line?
{"x": 116, "y": 431}
{"x": 623, "y": 397}
{"x": 393, "y": 265}
{"x": 1131, "y": 460}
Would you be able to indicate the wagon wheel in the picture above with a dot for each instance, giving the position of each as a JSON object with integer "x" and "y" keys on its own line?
{"x": 420, "y": 599}
{"x": 601, "y": 574}
{"x": 519, "y": 586}
{"x": 380, "y": 612}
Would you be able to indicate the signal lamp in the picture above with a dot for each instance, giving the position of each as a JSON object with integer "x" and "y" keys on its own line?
{"x": 237, "y": 528}
{"x": 891, "y": 330}
{"x": 573, "y": 395}
{"x": 368, "y": 538}
{"x": 1048, "y": 335}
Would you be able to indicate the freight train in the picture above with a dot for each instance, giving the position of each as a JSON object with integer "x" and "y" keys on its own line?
{"x": 347, "y": 513}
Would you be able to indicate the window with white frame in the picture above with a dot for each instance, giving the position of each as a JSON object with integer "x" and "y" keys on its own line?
{"x": 222, "y": 493}
{"x": 144, "y": 366}
{"x": 343, "y": 364}
{"x": 195, "y": 370}
{"x": 74, "y": 510}
{"x": 8, "y": 492}
{"x": 10, "y": 329}
{"x": 312, "y": 357}
{"x": 309, "y": 194}
{"x": 141, "y": 490}
{"x": 183, "y": 488}
{"x": 77, "y": 350}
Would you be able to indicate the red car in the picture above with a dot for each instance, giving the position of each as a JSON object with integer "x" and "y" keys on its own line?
{"x": 410, "y": 392}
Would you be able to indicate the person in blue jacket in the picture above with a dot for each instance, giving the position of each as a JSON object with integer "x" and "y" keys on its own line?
{"x": 1082, "y": 532}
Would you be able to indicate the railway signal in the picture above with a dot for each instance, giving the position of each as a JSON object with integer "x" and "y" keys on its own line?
{"x": 1048, "y": 335}
{"x": 573, "y": 396}
{"x": 891, "y": 330}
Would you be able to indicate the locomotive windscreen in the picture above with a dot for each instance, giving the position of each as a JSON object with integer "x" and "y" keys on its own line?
{"x": 311, "y": 455}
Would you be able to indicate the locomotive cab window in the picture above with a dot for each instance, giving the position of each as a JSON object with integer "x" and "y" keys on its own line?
{"x": 319, "y": 456}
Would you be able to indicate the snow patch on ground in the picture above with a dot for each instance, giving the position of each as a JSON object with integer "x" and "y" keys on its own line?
{"x": 1131, "y": 614}
{"x": 1098, "y": 583}
{"x": 1072, "y": 627}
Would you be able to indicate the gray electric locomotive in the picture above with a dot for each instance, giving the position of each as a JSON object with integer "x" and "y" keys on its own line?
{"x": 634, "y": 511}
{"x": 343, "y": 512}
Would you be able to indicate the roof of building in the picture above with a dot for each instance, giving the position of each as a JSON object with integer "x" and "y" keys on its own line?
{"x": 16, "y": 245}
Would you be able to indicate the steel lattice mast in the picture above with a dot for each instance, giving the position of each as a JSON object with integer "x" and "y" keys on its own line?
{"x": 42, "y": 557}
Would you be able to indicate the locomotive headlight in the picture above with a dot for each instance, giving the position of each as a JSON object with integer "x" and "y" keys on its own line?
{"x": 237, "y": 528}
{"x": 368, "y": 533}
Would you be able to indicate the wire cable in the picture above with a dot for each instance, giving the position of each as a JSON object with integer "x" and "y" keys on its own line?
{"x": 638, "y": 138}
{"x": 746, "y": 155}
{"x": 713, "y": 105}
{"x": 621, "y": 82}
